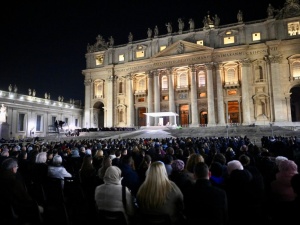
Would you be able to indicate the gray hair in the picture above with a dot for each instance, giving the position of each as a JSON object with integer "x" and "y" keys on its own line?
{"x": 57, "y": 160}
{"x": 9, "y": 163}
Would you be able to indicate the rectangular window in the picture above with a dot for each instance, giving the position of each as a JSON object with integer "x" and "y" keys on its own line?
{"x": 255, "y": 36}
{"x": 228, "y": 40}
{"x": 140, "y": 54}
{"x": 200, "y": 42}
{"x": 162, "y": 48}
{"x": 165, "y": 97}
{"x": 99, "y": 59}
{"x": 293, "y": 28}
{"x": 39, "y": 125}
{"x": 21, "y": 122}
{"x": 66, "y": 121}
{"x": 141, "y": 99}
{"x": 76, "y": 122}
{"x": 203, "y": 95}
{"x": 53, "y": 120}
{"x": 121, "y": 58}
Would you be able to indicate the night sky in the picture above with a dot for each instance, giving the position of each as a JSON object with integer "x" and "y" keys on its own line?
{"x": 43, "y": 43}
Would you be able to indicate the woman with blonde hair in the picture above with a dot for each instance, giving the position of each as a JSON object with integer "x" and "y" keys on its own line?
{"x": 192, "y": 160}
{"x": 159, "y": 195}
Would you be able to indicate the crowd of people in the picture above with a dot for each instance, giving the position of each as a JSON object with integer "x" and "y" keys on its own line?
{"x": 190, "y": 180}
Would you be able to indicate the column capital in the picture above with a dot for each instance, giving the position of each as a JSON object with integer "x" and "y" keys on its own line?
{"x": 245, "y": 62}
{"x": 88, "y": 82}
{"x": 218, "y": 66}
{"x": 192, "y": 68}
{"x": 209, "y": 66}
{"x": 129, "y": 76}
{"x": 274, "y": 58}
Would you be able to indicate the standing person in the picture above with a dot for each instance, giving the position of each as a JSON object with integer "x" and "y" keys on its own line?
{"x": 205, "y": 203}
{"x": 108, "y": 196}
{"x": 159, "y": 195}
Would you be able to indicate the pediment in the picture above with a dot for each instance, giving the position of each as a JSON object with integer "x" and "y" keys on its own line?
{"x": 182, "y": 47}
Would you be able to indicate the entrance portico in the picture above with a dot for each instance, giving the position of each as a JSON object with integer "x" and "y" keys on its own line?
{"x": 161, "y": 114}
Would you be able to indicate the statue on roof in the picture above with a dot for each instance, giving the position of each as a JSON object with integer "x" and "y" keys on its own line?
{"x": 192, "y": 24}
{"x": 169, "y": 27}
{"x": 180, "y": 25}
{"x": 156, "y": 31}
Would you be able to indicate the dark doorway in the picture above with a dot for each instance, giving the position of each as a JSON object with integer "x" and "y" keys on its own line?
{"x": 295, "y": 104}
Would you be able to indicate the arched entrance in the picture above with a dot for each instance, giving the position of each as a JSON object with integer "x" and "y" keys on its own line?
{"x": 98, "y": 115}
{"x": 184, "y": 115}
{"x": 295, "y": 104}
{"x": 203, "y": 117}
{"x": 141, "y": 116}
{"x": 233, "y": 112}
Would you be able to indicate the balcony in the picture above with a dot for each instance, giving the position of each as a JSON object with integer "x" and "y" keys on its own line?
{"x": 232, "y": 84}
{"x": 182, "y": 88}
{"x": 140, "y": 93}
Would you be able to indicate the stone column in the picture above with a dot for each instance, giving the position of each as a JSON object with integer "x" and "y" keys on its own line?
{"x": 288, "y": 106}
{"x": 130, "y": 108}
{"x": 210, "y": 96}
{"x": 277, "y": 101}
{"x": 194, "y": 102}
{"x": 156, "y": 95}
{"x": 220, "y": 97}
{"x": 171, "y": 95}
{"x": 245, "y": 73}
{"x": 110, "y": 108}
{"x": 87, "y": 106}
{"x": 150, "y": 120}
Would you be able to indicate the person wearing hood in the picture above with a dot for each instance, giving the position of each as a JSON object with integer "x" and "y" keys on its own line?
{"x": 108, "y": 196}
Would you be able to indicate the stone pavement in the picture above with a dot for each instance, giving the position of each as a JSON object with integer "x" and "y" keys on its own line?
{"x": 254, "y": 133}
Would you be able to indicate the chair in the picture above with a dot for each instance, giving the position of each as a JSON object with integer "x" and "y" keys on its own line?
{"x": 153, "y": 219}
{"x": 111, "y": 217}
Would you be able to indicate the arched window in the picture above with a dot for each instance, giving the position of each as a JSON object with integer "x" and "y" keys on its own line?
{"x": 164, "y": 83}
{"x": 296, "y": 69}
{"x": 201, "y": 79}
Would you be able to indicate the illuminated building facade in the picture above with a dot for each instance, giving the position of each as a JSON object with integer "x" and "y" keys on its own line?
{"x": 244, "y": 73}
{"x": 30, "y": 116}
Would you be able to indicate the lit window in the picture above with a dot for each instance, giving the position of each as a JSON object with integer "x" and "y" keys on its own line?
{"x": 183, "y": 82}
{"x": 140, "y": 54}
{"x": 293, "y": 28}
{"x": 200, "y": 42}
{"x": 296, "y": 69}
{"x": 228, "y": 33}
{"x": 232, "y": 92}
{"x": 229, "y": 40}
{"x": 162, "y": 47}
{"x": 141, "y": 99}
{"x": 255, "y": 36}
{"x": 121, "y": 58}
{"x": 99, "y": 59}
{"x": 165, "y": 98}
{"x": 203, "y": 95}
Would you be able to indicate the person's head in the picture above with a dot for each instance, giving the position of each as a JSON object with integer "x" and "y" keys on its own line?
{"x": 41, "y": 157}
{"x": 192, "y": 161}
{"x": 244, "y": 159}
{"x": 10, "y": 164}
{"x": 279, "y": 159}
{"x": 112, "y": 175}
{"x": 57, "y": 160}
{"x": 201, "y": 171}
{"x": 288, "y": 166}
{"x": 219, "y": 157}
{"x": 234, "y": 165}
{"x": 216, "y": 169}
{"x": 177, "y": 165}
{"x": 156, "y": 187}
{"x": 99, "y": 153}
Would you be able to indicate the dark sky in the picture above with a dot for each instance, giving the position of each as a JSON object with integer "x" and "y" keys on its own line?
{"x": 43, "y": 43}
